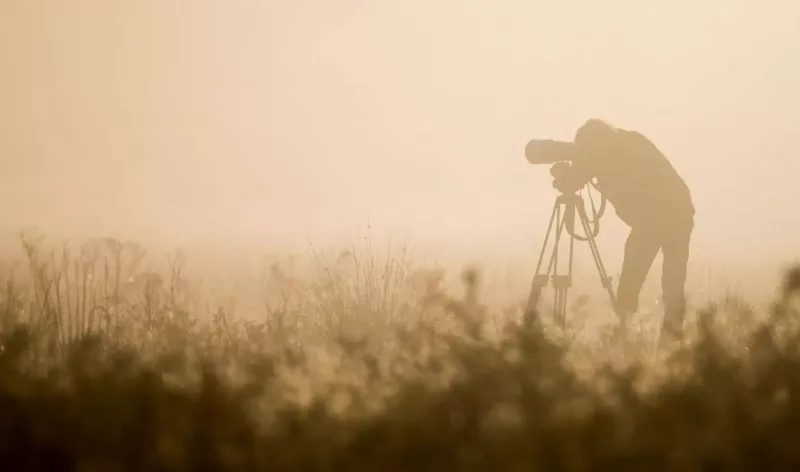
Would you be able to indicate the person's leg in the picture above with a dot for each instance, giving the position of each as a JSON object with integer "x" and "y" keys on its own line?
{"x": 673, "y": 280}
{"x": 640, "y": 252}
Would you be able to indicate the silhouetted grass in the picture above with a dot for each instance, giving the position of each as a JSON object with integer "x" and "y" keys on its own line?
{"x": 149, "y": 387}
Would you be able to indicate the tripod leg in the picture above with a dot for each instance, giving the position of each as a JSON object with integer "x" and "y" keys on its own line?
{"x": 554, "y": 217}
{"x": 620, "y": 332}
{"x": 562, "y": 282}
{"x": 540, "y": 280}
{"x": 565, "y": 282}
{"x": 560, "y": 305}
{"x": 605, "y": 280}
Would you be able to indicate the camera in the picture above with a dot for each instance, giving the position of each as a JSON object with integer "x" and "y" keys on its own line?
{"x": 558, "y": 153}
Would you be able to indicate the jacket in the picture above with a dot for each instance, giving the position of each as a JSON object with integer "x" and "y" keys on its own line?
{"x": 637, "y": 179}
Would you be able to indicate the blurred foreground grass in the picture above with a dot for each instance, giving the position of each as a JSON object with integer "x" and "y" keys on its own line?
{"x": 101, "y": 372}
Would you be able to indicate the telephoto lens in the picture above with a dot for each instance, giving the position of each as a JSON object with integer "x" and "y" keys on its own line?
{"x": 549, "y": 151}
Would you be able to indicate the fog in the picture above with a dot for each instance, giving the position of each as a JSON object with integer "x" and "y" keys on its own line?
{"x": 283, "y": 122}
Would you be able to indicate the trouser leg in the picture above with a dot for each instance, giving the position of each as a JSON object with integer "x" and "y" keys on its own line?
{"x": 673, "y": 279}
{"x": 640, "y": 252}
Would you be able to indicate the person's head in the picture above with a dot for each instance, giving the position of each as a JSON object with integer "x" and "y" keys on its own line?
{"x": 595, "y": 135}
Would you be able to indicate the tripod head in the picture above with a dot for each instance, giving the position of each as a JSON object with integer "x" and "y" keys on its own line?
{"x": 574, "y": 203}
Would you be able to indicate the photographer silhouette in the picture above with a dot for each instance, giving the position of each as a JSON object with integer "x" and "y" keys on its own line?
{"x": 649, "y": 196}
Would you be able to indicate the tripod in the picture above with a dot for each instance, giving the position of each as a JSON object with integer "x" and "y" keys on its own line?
{"x": 563, "y": 216}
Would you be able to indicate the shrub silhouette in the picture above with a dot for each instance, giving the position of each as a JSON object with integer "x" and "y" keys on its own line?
{"x": 175, "y": 395}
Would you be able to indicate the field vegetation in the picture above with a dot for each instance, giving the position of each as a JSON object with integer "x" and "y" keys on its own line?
{"x": 369, "y": 362}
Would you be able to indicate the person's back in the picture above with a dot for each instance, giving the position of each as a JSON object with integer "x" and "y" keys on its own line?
{"x": 638, "y": 180}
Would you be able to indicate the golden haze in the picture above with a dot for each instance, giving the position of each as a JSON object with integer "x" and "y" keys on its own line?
{"x": 282, "y": 121}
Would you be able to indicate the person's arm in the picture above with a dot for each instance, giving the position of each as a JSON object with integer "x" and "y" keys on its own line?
{"x": 571, "y": 179}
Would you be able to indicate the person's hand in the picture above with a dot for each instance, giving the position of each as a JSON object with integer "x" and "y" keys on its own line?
{"x": 560, "y": 173}
{"x": 559, "y": 170}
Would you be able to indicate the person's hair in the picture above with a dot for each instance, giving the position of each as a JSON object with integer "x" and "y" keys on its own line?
{"x": 594, "y": 131}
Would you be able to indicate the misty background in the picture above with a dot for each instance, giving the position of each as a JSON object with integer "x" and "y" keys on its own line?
{"x": 275, "y": 123}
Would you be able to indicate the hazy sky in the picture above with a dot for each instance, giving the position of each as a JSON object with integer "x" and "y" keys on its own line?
{"x": 297, "y": 118}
